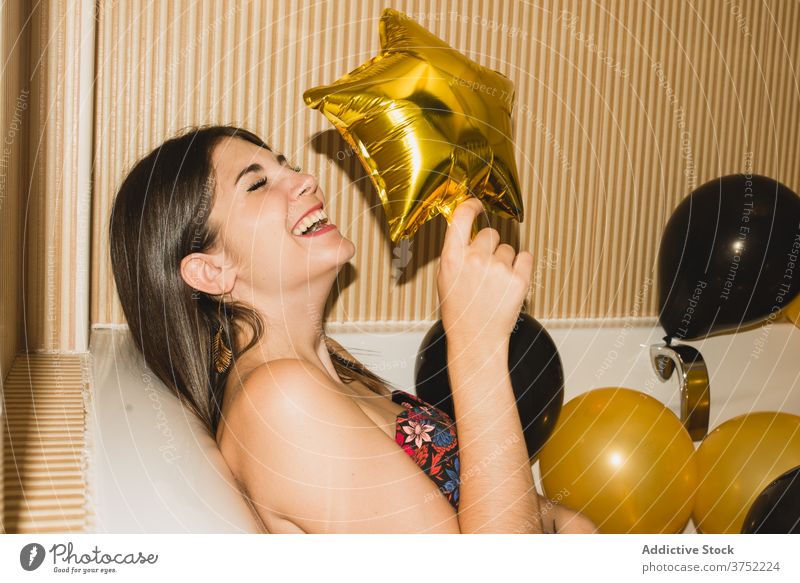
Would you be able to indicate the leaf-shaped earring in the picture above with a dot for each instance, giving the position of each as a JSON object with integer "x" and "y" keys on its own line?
{"x": 221, "y": 355}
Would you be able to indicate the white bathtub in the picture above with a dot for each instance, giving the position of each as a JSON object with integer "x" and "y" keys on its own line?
{"x": 152, "y": 470}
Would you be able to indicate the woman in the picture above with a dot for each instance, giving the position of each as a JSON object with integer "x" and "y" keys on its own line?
{"x": 224, "y": 257}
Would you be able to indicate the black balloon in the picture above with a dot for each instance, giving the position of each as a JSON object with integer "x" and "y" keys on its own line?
{"x": 729, "y": 256}
{"x": 777, "y": 508}
{"x": 536, "y": 377}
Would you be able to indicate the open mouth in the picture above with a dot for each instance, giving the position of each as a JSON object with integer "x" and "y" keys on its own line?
{"x": 315, "y": 223}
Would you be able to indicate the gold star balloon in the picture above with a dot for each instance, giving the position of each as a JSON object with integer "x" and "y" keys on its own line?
{"x": 430, "y": 126}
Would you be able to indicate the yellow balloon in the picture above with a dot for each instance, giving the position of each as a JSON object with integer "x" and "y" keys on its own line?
{"x": 623, "y": 459}
{"x": 736, "y": 461}
{"x": 431, "y": 127}
{"x": 792, "y": 311}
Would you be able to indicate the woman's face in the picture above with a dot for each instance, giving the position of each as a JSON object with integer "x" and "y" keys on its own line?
{"x": 261, "y": 206}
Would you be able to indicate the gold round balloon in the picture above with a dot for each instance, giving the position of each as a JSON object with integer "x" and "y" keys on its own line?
{"x": 430, "y": 126}
{"x": 736, "y": 461}
{"x": 792, "y": 311}
{"x": 624, "y": 460}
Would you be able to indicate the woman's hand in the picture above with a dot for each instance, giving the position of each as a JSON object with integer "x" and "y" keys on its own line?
{"x": 481, "y": 284}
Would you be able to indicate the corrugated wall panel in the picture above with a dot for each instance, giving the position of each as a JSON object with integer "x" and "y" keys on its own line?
{"x": 14, "y": 124}
{"x": 621, "y": 109}
{"x": 58, "y": 203}
{"x": 44, "y": 444}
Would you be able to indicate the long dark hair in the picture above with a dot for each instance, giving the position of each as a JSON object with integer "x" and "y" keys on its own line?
{"x": 160, "y": 215}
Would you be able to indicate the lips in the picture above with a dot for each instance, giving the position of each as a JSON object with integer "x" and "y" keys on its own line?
{"x": 311, "y": 210}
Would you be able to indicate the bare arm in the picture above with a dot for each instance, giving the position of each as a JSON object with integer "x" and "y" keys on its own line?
{"x": 497, "y": 489}
{"x": 481, "y": 285}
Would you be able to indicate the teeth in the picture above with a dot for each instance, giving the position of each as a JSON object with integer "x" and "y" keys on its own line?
{"x": 309, "y": 220}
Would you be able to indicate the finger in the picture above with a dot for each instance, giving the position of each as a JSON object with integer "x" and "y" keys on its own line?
{"x": 486, "y": 240}
{"x": 523, "y": 265}
{"x": 505, "y": 253}
{"x": 459, "y": 231}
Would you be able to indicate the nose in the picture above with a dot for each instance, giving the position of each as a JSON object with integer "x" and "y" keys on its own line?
{"x": 307, "y": 185}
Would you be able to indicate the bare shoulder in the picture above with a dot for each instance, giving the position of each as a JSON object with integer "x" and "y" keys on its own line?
{"x": 273, "y": 395}
{"x": 278, "y": 397}
{"x": 268, "y": 385}
{"x": 308, "y": 454}
{"x": 287, "y": 386}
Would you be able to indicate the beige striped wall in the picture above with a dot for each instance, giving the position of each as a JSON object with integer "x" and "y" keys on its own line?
{"x": 621, "y": 109}
{"x": 14, "y": 123}
{"x": 58, "y": 203}
{"x": 14, "y": 105}
{"x": 46, "y": 100}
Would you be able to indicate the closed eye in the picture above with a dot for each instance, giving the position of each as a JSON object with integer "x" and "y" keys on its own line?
{"x": 283, "y": 162}
{"x": 257, "y": 185}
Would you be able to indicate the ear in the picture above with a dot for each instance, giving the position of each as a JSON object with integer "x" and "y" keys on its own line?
{"x": 207, "y": 273}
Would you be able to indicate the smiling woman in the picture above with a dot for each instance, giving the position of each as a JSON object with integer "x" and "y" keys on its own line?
{"x": 224, "y": 258}
{"x": 160, "y": 218}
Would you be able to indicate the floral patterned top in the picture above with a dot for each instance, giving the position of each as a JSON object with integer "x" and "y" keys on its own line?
{"x": 428, "y": 435}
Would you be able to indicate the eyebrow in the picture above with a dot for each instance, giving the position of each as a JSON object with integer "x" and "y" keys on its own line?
{"x": 256, "y": 167}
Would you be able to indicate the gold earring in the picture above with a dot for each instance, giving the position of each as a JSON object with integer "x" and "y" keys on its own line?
{"x": 220, "y": 353}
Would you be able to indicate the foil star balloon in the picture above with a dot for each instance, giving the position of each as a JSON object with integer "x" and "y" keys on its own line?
{"x": 430, "y": 126}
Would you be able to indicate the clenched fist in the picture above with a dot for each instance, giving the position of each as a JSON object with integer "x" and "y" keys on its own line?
{"x": 481, "y": 283}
